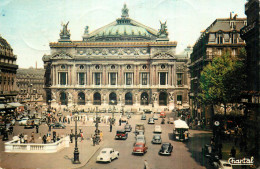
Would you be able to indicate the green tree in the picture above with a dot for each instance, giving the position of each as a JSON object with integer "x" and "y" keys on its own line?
{"x": 223, "y": 79}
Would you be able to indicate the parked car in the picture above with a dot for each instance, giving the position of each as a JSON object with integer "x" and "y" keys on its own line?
{"x": 107, "y": 155}
{"x": 147, "y": 111}
{"x": 143, "y": 117}
{"x": 128, "y": 128}
{"x": 139, "y": 148}
{"x": 121, "y": 134}
{"x": 58, "y": 125}
{"x": 37, "y": 122}
{"x": 222, "y": 164}
{"x": 157, "y": 139}
{"x": 23, "y": 121}
{"x": 162, "y": 114}
{"x": 157, "y": 129}
{"x": 155, "y": 117}
{"x": 150, "y": 121}
{"x": 170, "y": 120}
{"x": 140, "y": 139}
{"x": 166, "y": 149}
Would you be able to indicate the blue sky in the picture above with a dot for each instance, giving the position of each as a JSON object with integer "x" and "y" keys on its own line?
{"x": 29, "y": 25}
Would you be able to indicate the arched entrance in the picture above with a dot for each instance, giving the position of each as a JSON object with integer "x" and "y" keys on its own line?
{"x": 163, "y": 99}
{"x": 81, "y": 98}
{"x": 97, "y": 99}
{"x": 128, "y": 99}
{"x": 112, "y": 99}
{"x": 63, "y": 98}
{"x": 144, "y": 99}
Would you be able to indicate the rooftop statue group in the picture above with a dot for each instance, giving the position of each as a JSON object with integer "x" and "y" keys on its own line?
{"x": 65, "y": 33}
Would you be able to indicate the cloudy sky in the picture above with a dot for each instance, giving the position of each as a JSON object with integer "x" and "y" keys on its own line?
{"x": 29, "y": 25}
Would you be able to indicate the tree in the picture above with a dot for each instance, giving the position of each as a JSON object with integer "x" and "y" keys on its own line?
{"x": 222, "y": 81}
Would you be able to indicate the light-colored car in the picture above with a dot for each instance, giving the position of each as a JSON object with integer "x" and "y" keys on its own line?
{"x": 222, "y": 164}
{"x": 150, "y": 121}
{"x": 107, "y": 155}
{"x": 23, "y": 122}
{"x": 157, "y": 129}
{"x": 140, "y": 139}
{"x": 155, "y": 117}
{"x": 170, "y": 120}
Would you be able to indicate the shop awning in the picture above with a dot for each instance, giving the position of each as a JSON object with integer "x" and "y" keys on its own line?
{"x": 15, "y": 104}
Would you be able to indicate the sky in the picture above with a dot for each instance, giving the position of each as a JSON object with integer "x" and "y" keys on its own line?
{"x": 30, "y": 25}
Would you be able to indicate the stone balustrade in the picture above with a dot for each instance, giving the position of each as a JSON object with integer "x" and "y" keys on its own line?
{"x": 15, "y": 146}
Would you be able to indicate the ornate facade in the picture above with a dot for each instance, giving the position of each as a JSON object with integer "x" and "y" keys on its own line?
{"x": 8, "y": 69}
{"x": 125, "y": 64}
{"x": 30, "y": 83}
{"x": 221, "y": 36}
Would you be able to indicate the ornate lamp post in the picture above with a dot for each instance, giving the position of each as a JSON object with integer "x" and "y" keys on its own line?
{"x": 5, "y": 136}
{"x": 113, "y": 111}
{"x": 76, "y": 151}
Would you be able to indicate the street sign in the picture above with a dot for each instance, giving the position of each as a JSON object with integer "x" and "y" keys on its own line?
{"x": 216, "y": 123}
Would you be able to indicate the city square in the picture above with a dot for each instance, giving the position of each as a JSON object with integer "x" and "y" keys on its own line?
{"x": 113, "y": 87}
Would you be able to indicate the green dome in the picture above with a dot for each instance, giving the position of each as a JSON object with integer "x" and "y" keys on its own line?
{"x": 124, "y": 30}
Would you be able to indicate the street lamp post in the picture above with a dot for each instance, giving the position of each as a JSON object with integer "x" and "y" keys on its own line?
{"x": 76, "y": 150}
{"x": 113, "y": 112}
{"x": 5, "y": 135}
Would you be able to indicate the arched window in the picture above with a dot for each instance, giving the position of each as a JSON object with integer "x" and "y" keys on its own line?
{"x": 63, "y": 98}
{"x": 144, "y": 99}
{"x": 163, "y": 99}
{"x": 112, "y": 99}
{"x": 81, "y": 98}
{"x": 97, "y": 99}
{"x": 128, "y": 99}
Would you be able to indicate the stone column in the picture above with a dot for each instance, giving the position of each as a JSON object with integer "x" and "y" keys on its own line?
{"x": 169, "y": 75}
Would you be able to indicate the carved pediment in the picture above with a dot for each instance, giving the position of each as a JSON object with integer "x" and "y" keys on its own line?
{"x": 163, "y": 55}
{"x": 61, "y": 55}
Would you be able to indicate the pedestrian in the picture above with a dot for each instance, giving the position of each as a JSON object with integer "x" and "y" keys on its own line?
{"x": 233, "y": 152}
{"x": 145, "y": 165}
{"x": 37, "y": 128}
{"x": 44, "y": 139}
{"x": 110, "y": 127}
{"x": 71, "y": 138}
{"x": 94, "y": 140}
{"x": 68, "y": 120}
{"x": 101, "y": 135}
{"x": 49, "y": 127}
{"x": 120, "y": 122}
{"x": 81, "y": 135}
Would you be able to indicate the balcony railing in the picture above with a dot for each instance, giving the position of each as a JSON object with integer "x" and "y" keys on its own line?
{"x": 97, "y": 102}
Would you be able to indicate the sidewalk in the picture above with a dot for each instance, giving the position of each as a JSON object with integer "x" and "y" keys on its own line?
{"x": 59, "y": 160}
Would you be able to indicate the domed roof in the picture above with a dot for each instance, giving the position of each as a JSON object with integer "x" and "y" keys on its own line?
{"x": 123, "y": 29}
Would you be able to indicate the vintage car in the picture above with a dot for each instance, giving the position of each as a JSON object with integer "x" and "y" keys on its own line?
{"x": 23, "y": 121}
{"x": 140, "y": 132}
{"x": 58, "y": 125}
{"x": 222, "y": 164}
{"x": 162, "y": 114}
{"x": 155, "y": 117}
{"x": 123, "y": 118}
{"x": 121, "y": 134}
{"x": 139, "y": 127}
{"x": 170, "y": 120}
{"x": 166, "y": 149}
{"x": 143, "y": 117}
{"x": 150, "y": 121}
{"x": 128, "y": 128}
{"x": 157, "y": 139}
{"x": 139, "y": 148}
{"x": 157, "y": 129}
{"x": 29, "y": 124}
{"x": 107, "y": 155}
{"x": 140, "y": 139}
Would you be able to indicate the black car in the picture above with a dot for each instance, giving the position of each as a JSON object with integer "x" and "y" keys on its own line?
{"x": 121, "y": 134}
{"x": 166, "y": 149}
{"x": 58, "y": 125}
{"x": 128, "y": 128}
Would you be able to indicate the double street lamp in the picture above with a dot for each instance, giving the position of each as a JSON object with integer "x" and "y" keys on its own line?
{"x": 76, "y": 150}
